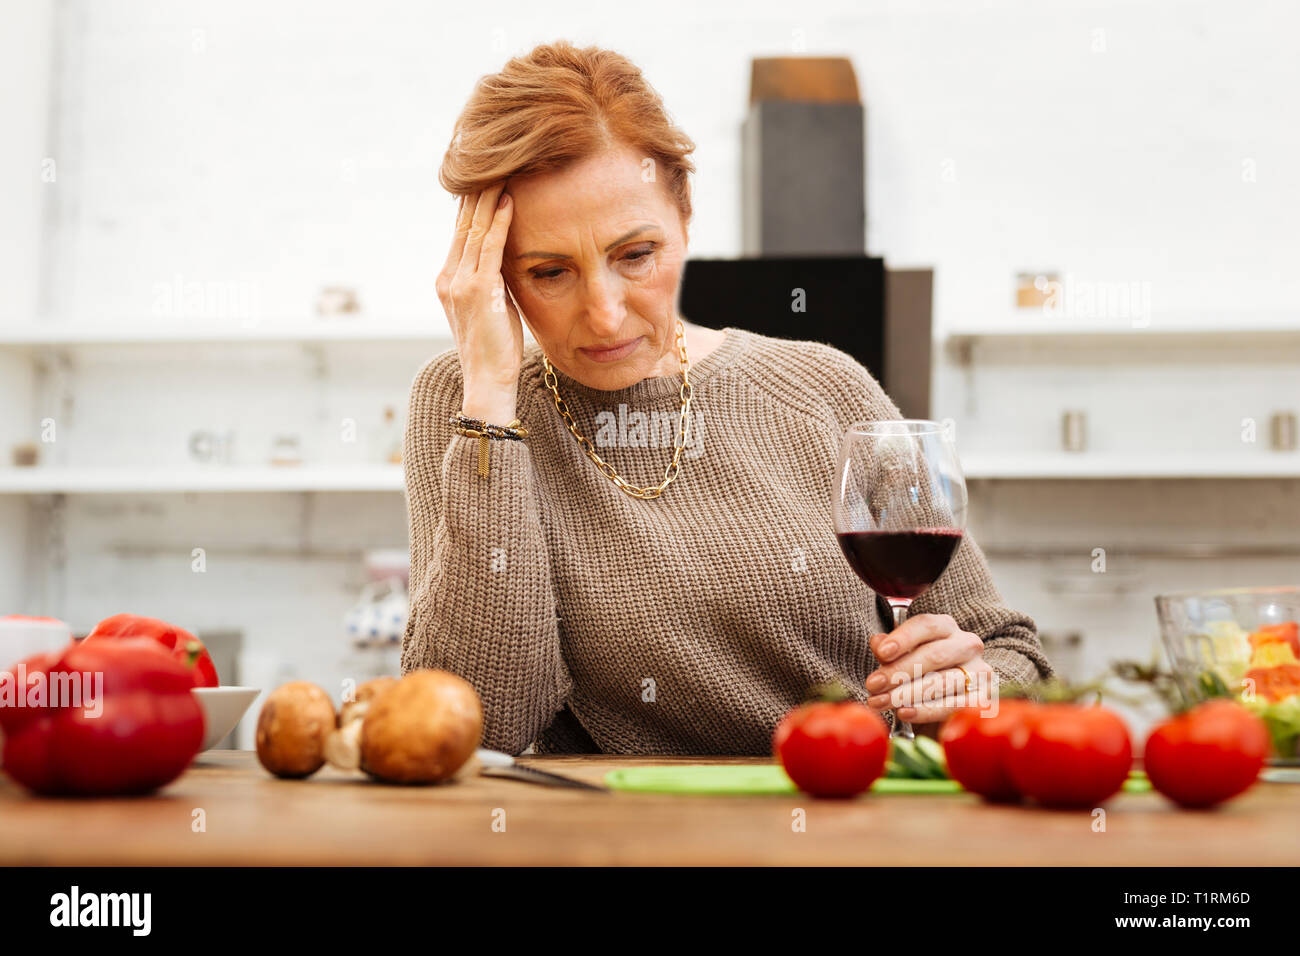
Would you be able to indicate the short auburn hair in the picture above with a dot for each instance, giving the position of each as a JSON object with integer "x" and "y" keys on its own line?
{"x": 557, "y": 105}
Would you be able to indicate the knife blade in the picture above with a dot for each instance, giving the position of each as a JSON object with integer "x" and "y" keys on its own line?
{"x": 494, "y": 763}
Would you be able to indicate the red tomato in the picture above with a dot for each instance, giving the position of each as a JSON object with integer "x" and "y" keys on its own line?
{"x": 832, "y": 749}
{"x": 123, "y": 721}
{"x": 185, "y": 647}
{"x": 1207, "y": 754}
{"x": 1068, "y": 755}
{"x": 976, "y": 747}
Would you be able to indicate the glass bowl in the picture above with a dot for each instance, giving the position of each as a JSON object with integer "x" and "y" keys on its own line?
{"x": 1247, "y": 639}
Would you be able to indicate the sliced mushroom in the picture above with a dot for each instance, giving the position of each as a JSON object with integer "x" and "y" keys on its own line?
{"x": 343, "y": 747}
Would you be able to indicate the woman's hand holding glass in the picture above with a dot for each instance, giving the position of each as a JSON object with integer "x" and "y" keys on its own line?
{"x": 920, "y": 675}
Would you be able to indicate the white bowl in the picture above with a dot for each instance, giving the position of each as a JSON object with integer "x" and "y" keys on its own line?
{"x": 22, "y": 637}
{"x": 222, "y": 708}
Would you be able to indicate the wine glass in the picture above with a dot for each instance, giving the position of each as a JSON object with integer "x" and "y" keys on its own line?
{"x": 899, "y": 509}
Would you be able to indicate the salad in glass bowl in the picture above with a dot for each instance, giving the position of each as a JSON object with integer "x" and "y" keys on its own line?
{"x": 1244, "y": 642}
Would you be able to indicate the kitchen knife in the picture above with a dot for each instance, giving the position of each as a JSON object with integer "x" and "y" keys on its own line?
{"x": 494, "y": 763}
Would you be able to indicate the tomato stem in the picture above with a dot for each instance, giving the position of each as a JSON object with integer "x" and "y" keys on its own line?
{"x": 1166, "y": 685}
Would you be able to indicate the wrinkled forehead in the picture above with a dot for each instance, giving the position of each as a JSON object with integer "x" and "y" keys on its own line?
{"x": 588, "y": 199}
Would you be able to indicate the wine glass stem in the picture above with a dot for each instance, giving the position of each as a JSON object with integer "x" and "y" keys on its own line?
{"x": 900, "y": 728}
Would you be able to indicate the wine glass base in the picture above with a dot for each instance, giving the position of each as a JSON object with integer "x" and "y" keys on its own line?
{"x": 901, "y": 728}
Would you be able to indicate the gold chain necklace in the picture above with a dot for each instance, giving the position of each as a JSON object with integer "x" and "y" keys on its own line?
{"x": 650, "y": 491}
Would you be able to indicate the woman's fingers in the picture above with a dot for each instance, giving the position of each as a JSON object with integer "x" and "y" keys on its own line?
{"x": 481, "y": 222}
{"x": 932, "y": 711}
{"x": 477, "y": 228}
{"x": 912, "y": 633}
{"x": 955, "y": 648}
{"x": 494, "y": 242}
{"x": 486, "y": 325}
{"x": 457, "y": 244}
{"x": 925, "y": 710}
{"x": 936, "y": 694}
{"x": 442, "y": 285}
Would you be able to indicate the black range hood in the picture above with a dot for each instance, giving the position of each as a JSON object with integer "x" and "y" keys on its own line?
{"x": 805, "y": 273}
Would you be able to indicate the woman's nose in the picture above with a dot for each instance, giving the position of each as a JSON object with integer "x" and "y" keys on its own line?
{"x": 604, "y": 303}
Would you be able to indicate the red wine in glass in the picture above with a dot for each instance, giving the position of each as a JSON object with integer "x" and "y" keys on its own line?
{"x": 899, "y": 507}
{"x": 900, "y": 564}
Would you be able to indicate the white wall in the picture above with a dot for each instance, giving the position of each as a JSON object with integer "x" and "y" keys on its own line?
{"x": 284, "y": 145}
{"x": 27, "y": 43}
{"x": 27, "y": 69}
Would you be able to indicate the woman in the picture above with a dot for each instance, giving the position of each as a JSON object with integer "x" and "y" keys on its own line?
{"x": 593, "y": 613}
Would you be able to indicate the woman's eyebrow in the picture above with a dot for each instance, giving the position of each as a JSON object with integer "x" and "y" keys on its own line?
{"x": 559, "y": 255}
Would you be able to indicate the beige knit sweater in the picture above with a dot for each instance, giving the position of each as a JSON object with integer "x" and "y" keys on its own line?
{"x": 590, "y": 621}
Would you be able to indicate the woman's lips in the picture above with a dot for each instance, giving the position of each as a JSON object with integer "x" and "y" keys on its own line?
{"x": 613, "y": 354}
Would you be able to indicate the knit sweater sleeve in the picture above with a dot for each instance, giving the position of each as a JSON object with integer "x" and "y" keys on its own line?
{"x": 482, "y": 603}
{"x": 966, "y": 589}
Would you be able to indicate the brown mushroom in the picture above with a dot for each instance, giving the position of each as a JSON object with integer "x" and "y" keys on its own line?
{"x": 292, "y": 729}
{"x": 422, "y": 729}
{"x": 343, "y": 746}
{"x": 356, "y": 708}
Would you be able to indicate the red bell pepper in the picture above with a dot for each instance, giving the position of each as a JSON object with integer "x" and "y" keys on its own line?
{"x": 183, "y": 645}
{"x": 112, "y": 717}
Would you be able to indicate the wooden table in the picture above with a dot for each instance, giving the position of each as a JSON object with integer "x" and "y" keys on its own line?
{"x": 253, "y": 818}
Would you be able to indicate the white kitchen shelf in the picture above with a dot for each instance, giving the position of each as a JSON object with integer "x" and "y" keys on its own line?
{"x": 1047, "y": 330}
{"x": 1062, "y": 465}
{"x": 359, "y": 331}
{"x": 93, "y": 481}
{"x": 389, "y": 478}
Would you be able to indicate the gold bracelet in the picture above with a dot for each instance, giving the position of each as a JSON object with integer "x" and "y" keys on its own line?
{"x": 484, "y": 442}
{"x": 476, "y": 427}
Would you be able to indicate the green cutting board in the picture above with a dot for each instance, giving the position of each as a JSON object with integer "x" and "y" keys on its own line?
{"x": 749, "y": 779}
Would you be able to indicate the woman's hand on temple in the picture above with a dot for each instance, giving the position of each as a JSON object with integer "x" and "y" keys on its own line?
{"x": 483, "y": 319}
{"x": 918, "y": 674}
